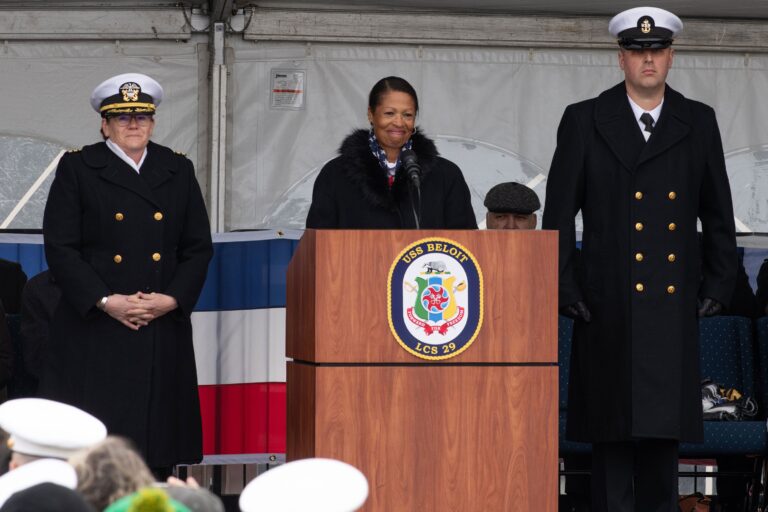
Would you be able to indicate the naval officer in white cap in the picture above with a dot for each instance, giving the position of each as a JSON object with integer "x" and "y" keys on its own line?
{"x": 43, "y": 471}
{"x": 642, "y": 163}
{"x": 128, "y": 241}
{"x": 42, "y": 435}
{"x": 40, "y": 428}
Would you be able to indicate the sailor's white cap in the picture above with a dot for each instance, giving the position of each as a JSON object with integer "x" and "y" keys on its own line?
{"x": 645, "y": 27}
{"x": 319, "y": 485}
{"x": 129, "y": 93}
{"x": 37, "y": 472}
{"x": 44, "y": 428}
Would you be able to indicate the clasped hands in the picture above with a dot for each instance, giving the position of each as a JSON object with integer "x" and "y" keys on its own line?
{"x": 137, "y": 310}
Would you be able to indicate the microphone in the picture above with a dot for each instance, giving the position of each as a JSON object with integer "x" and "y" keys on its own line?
{"x": 411, "y": 165}
{"x": 412, "y": 169}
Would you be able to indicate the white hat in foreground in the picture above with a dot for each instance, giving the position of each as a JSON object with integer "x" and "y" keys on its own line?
{"x": 40, "y": 471}
{"x": 319, "y": 485}
{"x": 44, "y": 428}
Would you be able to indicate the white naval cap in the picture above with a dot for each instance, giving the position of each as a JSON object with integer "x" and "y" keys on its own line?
{"x": 320, "y": 485}
{"x": 129, "y": 93}
{"x": 38, "y": 472}
{"x": 645, "y": 27}
{"x": 44, "y": 428}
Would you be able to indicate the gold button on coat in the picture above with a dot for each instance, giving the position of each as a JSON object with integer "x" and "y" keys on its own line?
{"x": 156, "y": 256}
{"x": 638, "y": 195}
{"x": 671, "y": 257}
{"x": 639, "y": 287}
{"x": 158, "y": 216}
{"x": 117, "y": 258}
{"x": 670, "y": 289}
{"x": 639, "y": 256}
{"x": 672, "y": 226}
{"x": 639, "y": 226}
{"x": 672, "y": 195}
{"x": 119, "y": 216}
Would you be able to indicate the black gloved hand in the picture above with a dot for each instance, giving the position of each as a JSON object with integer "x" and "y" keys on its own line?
{"x": 709, "y": 307}
{"x": 577, "y": 311}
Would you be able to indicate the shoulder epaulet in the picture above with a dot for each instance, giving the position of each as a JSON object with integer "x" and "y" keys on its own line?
{"x": 74, "y": 150}
{"x": 180, "y": 153}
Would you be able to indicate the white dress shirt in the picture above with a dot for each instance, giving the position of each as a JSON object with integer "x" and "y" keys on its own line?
{"x": 125, "y": 158}
{"x": 638, "y": 111}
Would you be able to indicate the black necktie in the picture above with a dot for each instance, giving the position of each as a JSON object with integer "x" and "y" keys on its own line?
{"x": 647, "y": 120}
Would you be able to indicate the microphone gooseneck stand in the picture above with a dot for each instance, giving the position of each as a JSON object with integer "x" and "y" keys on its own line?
{"x": 413, "y": 170}
{"x": 416, "y": 212}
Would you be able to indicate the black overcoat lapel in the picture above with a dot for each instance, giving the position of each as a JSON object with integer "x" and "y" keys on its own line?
{"x": 674, "y": 125}
{"x": 158, "y": 166}
{"x": 615, "y": 122}
{"x": 114, "y": 170}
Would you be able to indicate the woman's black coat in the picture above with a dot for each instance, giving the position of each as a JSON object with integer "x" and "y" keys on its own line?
{"x": 107, "y": 230}
{"x": 352, "y": 191}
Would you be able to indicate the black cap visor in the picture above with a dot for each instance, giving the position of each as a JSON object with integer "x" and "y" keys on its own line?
{"x": 635, "y": 39}
{"x": 644, "y": 44}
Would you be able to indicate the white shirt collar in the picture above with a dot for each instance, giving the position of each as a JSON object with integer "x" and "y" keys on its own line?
{"x": 638, "y": 111}
{"x": 125, "y": 158}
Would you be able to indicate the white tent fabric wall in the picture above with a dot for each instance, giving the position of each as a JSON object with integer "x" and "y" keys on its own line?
{"x": 509, "y": 99}
{"x": 494, "y": 111}
{"x": 45, "y": 101}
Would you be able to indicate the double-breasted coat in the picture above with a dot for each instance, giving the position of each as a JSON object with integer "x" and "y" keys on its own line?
{"x": 635, "y": 366}
{"x": 109, "y": 229}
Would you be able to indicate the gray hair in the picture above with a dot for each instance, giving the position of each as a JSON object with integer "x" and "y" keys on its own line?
{"x": 110, "y": 470}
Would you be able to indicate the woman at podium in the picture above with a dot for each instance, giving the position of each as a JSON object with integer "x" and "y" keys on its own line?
{"x": 390, "y": 176}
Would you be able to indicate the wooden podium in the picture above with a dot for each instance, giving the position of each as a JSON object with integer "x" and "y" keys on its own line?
{"x": 475, "y": 432}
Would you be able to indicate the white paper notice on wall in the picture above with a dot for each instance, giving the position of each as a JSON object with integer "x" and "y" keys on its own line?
{"x": 288, "y": 89}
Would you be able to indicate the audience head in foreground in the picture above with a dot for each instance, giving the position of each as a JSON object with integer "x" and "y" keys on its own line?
{"x": 320, "y": 485}
{"x": 40, "y": 428}
{"x": 110, "y": 470}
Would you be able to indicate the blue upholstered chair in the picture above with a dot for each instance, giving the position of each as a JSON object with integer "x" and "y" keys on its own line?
{"x": 761, "y": 370}
{"x": 761, "y": 349}
{"x": 727, "y": 357}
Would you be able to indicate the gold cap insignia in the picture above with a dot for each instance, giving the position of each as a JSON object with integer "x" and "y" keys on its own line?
{"x": 646, "y": 24}
{"x": 130, "y": 91}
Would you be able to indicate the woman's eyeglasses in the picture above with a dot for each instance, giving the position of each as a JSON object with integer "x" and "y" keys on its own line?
{"x": 124, "y": 120}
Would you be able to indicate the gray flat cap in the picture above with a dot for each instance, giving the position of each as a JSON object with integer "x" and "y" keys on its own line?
{"x": 512, "y": 197}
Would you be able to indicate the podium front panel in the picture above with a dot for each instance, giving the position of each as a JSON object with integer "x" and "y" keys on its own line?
{"x": 338, "y": 296}
{"x": 435, "y": 437}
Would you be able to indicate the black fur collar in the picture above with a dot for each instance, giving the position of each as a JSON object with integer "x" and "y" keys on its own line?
{"x": 363, "y": 170}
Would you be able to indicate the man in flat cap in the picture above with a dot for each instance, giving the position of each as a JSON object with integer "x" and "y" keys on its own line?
{"x": 643, "y": 164}
{"x": 511, "y": 205}
{"x": 128, "y": 241}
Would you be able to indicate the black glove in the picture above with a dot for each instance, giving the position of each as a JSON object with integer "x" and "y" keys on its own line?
{"x": 709, "y": 307}
{"x": 577, "y": 311}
